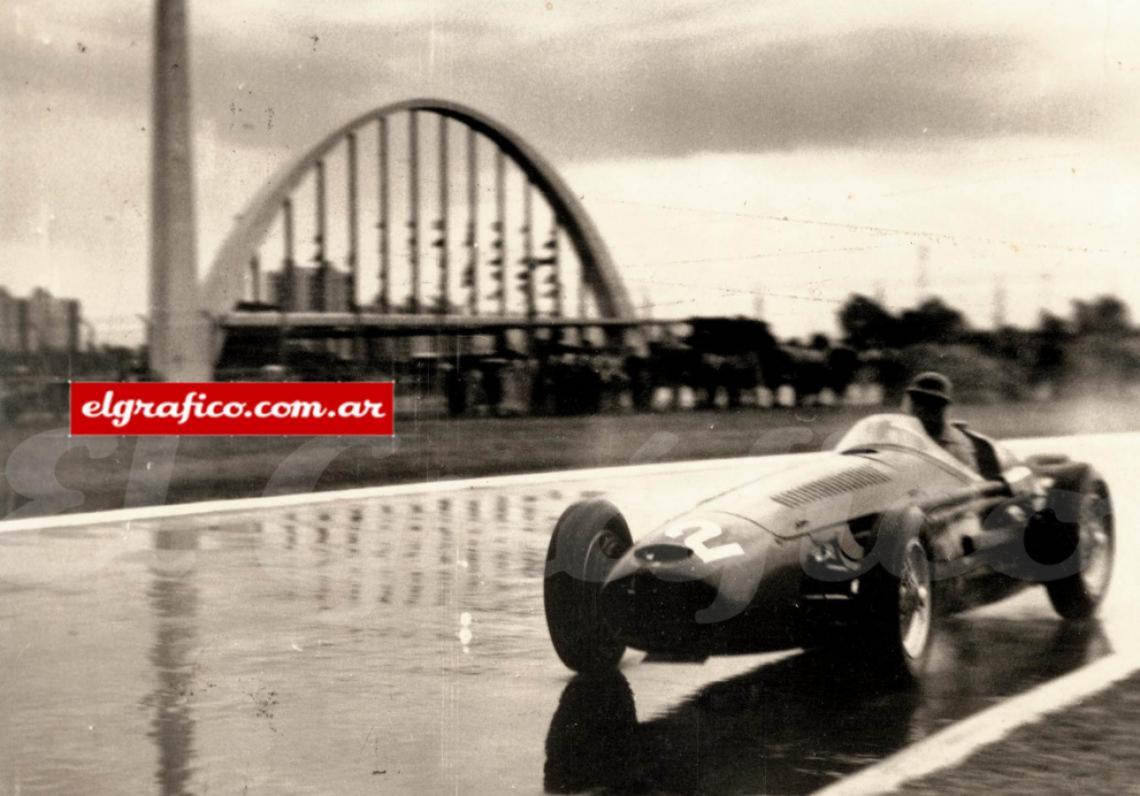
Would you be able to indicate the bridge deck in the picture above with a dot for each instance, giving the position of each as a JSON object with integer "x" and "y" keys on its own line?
{"x": 423, "y": 323}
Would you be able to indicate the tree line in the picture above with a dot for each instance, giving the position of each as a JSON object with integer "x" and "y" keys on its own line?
{"x": 1094, "y": 349}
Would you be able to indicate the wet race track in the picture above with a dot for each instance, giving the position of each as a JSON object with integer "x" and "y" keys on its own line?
{"x": 398, "y": 644}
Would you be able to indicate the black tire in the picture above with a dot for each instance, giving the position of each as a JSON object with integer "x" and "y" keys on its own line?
{"x": 900, "y": 603}
{"x": 588, "y": 540}
{"x": 1082, "y": 523}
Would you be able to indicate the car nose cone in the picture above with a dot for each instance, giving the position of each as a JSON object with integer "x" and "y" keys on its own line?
{"x": 655, "y": 613}
{"x": 662, "y": 554}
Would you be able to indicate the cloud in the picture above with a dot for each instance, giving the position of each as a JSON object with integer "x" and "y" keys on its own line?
{"x": 100, "y": 61}
{"x": 687, "y": 80}
{"x": 661, "y": 91}
{"x": 872, "y": 88}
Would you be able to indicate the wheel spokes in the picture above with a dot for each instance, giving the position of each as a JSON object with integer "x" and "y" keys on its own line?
{"x": 1095, "y": 547}
{"x": 914, "y": 602}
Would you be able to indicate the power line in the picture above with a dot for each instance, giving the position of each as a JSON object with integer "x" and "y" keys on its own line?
{"x": 757, "y": 256}
{"x": 880, "y": 230}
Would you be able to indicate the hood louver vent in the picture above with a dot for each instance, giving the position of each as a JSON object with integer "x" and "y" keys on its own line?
{"x": 830, "y": 486}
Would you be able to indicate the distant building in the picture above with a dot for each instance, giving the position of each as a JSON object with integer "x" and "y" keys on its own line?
{"x": 38, "y": 323}
{"x": 11, "y": 310}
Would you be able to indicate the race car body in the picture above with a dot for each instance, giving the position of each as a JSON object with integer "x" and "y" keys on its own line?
{"x": 868, "y": 542}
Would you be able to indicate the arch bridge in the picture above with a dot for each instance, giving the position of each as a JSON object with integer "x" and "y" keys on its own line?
{"x": 419, "y": 218}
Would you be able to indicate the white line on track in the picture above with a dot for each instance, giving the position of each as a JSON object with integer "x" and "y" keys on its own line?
{"x": 459, "y": 485}
{"x": 114, "y": 516}
{"x": 957, "y": 742}
{"x": 364, "y": 493}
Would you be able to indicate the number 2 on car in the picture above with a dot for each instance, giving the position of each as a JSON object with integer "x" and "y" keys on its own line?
{"x": 699, "y": 533}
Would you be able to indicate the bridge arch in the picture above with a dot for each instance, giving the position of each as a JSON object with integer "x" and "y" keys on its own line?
{"x": 224, "y": 283}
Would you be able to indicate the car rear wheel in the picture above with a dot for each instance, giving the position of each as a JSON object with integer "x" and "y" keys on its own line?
{"x": 588, "y": 540}
{"x": 1091, "y": 537}
{"x": 901, "y": 610}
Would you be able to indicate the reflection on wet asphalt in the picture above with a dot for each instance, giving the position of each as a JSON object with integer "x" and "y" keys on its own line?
{"x": 399, "y": 645}
{"x": 173, "y": 600}
{"x": 795, "y": 725}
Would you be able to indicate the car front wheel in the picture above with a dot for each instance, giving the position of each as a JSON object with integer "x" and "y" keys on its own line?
{"x": 588, "y": 540}
{"x": 900, "y": 597}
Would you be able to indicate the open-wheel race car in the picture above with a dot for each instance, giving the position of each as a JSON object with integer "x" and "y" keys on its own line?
{"x": 868, "y": 544}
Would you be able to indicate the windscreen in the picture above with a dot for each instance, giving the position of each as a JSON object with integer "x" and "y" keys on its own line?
{"x": 888, "y": 430}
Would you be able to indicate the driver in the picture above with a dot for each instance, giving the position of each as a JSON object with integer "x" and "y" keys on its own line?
{"x": 926, "y": 399}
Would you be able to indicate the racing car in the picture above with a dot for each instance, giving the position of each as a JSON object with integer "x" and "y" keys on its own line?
{"x": 868, "y": 544}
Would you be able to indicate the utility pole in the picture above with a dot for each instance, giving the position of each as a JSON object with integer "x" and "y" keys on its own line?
{"x": 921, "y": 280}
{"x": 999, "y": 303}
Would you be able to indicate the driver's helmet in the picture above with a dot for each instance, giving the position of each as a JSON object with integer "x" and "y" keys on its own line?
{"x": 931, "y": 386}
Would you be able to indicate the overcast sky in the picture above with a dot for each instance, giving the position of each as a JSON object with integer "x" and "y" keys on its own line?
{"x": 798, "y": 151}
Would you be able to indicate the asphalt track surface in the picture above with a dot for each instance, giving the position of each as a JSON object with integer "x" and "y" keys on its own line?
{"x": 397, "y": 644}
